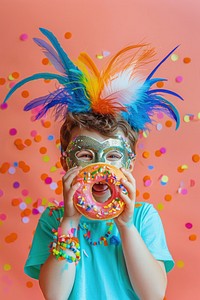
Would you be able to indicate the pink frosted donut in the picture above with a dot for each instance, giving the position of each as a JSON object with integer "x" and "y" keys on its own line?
{"x": 101, "y": 176}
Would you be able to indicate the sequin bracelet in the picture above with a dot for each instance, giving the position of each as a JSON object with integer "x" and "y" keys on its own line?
{"x": 63, "y": 242}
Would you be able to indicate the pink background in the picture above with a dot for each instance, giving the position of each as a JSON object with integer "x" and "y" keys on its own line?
{"x": 99, "y": 27}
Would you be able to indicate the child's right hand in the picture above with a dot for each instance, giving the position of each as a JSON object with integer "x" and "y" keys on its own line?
{"x": 68, "y": 192}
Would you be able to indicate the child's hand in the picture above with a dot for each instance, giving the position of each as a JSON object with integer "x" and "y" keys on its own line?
{"x": 68, "y": 193}
{"x": 126, "y": 217}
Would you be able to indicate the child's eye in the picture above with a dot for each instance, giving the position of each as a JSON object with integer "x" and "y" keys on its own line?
{"x": 84, "y": 155}
{"x": 114, "y": 155}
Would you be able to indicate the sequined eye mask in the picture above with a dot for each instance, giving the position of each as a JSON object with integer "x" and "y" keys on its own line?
{"x": 100, "y": 151}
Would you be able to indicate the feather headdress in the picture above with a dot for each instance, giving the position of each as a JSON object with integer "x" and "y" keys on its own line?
{"x": 118, "y": 89}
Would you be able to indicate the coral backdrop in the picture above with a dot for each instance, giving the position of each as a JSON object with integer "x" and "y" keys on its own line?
{"x": 168, "y": 161}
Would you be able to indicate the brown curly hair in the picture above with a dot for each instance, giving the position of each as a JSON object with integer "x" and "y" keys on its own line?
{"x": 105, "y": 124}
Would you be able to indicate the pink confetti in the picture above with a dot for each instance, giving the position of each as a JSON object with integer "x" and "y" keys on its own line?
{"x": 23, "y": 37}
{"x": 188, "y": 225}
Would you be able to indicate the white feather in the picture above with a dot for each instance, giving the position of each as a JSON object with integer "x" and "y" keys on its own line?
{"x": 122, "y": 87}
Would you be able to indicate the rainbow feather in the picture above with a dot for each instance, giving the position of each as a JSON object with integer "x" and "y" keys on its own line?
{"x": 118, "y": 89}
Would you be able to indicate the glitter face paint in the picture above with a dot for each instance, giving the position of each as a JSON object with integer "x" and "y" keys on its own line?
{"x": 99, "y": 151}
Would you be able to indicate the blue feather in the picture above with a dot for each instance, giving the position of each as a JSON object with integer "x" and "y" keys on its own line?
{"x": 162, "y": 61}
{"x": 165, "y": 91}
{"x": 51, "y": 54}
{"x": 67, "y": 63}
{"x": 60, "y": 78}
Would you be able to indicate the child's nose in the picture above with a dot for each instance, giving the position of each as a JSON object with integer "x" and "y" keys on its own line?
{"x": 100, "y": 157}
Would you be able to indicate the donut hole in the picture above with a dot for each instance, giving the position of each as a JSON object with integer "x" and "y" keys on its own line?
{"x": 101, "y": 191}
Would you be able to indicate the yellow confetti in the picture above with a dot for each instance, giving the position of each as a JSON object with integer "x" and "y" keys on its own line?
{"x": 7, "y": 267}
{"x": 180, "y": 264}
{"x": 99, "y": 56}
{"x": 186, "y": 118}
{"x": 174, "y": 57}
{"x": 160, "y": 206}
{"x": 184, "y": 167}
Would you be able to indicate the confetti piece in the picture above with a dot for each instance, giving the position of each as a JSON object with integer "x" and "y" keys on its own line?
{"x": 168, "y": 123}
{"x": 164, "y": 179}
{"x": 23, "y": 37}
{"x": 43, "y": 150}
{"x": 50, "y": 137}
{"x": 163, "y": 150}
{"x": 4, "y": 167}
{"x": 146, "y": 154}
{"x": 11, "y": 237}
{"x": 29, "y": 284}
{"x": 168, "y": 197}
{"x": 68, "y": 35}
{"x": 159, "y": 126}
{"x": 193, "y": 237}
{"x": 1, "y": 193}
{"x": 46, "y": 158}
{"x": 7, "y": 267}
{"x": 13, "y": 131}
{"x": 174, "y": 57}
{"x": 184, "y": 191}
{"x": 160, "y": 84}
{"x": 33, "y": 133}
{"x": 37, "y": 138}
{"x": 2, "y": 81}
{"x": 3, "y": 217}
{"x": 151, "y": 167}
{"x": 188, "y": 225}
{"x": 195, "y": 157}
{"x": 148, "y": 182}
{"x": 45, "y": 61}
{"x": 186, "y": 119}
{"x": 187, "y": 60}
{"x": 16, "y": 202}
{"x": 46, "y": 124}
{"x": 48, "y": 180}
{"x": 184, "y": 167}
{"x": 158, "y": 153}
{"x": 192, "y": 182}
{"x": 16, "y": 184}
{"x": 106, "y": 53}
{"x": 25, "y": 220}
{"x": 25, "y": 192}
{"x": 160, "y": 206}
{"x": 22, "y": 205}
{"x": 180, "y": 263}
{"x": 146, "y": 196}
{"x": 4, "y": 106}
{"x": 145, "y": 134}
{"x": 179, "y": 79}
{"x": 15, "y": 75}
{"x": 99, "y": 56}
{"x": 11, "y": 170}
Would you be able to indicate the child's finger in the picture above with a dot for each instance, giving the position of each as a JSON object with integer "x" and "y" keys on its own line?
{"x": 130, "y": 187}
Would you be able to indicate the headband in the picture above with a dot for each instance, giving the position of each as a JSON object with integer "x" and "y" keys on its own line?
{"x": 118, "y": 89}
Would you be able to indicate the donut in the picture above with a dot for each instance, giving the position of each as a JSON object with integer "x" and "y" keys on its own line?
{"x": 96, "y": 174}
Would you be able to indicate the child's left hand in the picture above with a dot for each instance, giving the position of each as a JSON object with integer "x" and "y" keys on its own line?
{"x": 126, "y": 217}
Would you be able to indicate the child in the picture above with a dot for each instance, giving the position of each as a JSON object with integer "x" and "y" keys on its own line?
{"x": 126, "y": 257}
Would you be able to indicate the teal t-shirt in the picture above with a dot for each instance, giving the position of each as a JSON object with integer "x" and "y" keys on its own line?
{"x": 101, "y": 273}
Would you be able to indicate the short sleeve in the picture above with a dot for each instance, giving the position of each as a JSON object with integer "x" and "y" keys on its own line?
{"x": 154, "y": 237}
{"x": 40, "y": 246}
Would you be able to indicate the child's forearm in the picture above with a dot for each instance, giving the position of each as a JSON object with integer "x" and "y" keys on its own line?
{"x": 57, "y": 277}
{"x": 147, "y": 275}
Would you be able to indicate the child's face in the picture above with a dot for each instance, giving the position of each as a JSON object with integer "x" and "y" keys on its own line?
{"x": 88, "y": 147}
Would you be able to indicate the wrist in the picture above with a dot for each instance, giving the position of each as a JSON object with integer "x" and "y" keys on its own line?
{"x": 68, "y": 223}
